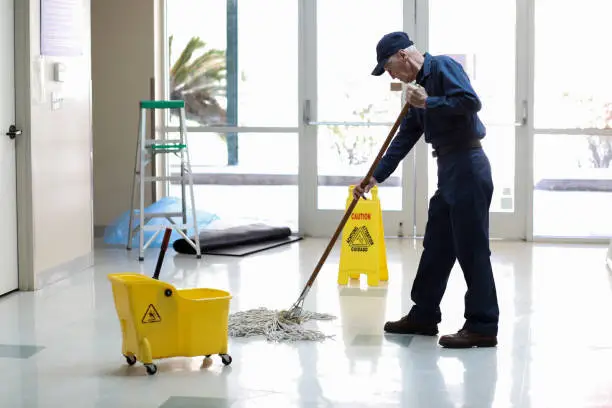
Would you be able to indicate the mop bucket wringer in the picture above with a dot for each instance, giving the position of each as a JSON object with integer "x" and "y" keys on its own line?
{"x": 158, "y": 321}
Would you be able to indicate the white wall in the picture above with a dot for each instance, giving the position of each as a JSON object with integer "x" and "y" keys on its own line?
{"x": 123, "y": 55}
{"x": 54, "y": 155}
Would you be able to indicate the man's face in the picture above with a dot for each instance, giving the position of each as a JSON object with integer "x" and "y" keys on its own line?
{"x": 399, "y": 67}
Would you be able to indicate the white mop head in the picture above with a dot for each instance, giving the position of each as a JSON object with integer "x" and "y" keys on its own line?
{"x": 275, "y": 325}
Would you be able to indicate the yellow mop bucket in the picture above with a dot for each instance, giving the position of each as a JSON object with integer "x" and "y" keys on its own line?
{"x": 159, "y": 321}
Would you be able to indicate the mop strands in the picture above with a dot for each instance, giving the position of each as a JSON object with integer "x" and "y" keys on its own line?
{"x": 287, "y": 325}
{"x": 278, "y": 325}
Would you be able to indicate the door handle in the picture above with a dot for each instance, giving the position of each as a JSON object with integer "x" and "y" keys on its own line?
{"x": 350, "y": 123}
{"x": 307, "y": 119}
{"x": 13, "y": 132}
{"x": 523, "y": 120}
{"x": 306, "y": 113}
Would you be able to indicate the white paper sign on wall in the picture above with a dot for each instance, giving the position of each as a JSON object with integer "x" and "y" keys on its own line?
{"x": 61, "y": 28}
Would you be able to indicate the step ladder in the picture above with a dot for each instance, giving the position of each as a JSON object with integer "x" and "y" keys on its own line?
{"x": 146, "y": 150}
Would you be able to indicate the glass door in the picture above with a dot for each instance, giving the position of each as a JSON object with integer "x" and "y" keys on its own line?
{"x": 572, "y": 154}
{"x": 488, "y": 38}
{"x": 347, "y": 113}
{"x": 241, "y": 108}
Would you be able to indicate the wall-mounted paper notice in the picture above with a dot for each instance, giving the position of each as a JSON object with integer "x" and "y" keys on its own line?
{"x": 61, "y": 28}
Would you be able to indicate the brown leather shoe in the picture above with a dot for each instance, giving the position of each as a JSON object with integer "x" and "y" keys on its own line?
{"x": 404, "y": 326}
{"x": 466, "y": 339}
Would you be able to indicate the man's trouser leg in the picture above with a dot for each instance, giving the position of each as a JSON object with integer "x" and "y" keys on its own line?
{"x": 435, "y": 265}
{"x": 467, "y": 187}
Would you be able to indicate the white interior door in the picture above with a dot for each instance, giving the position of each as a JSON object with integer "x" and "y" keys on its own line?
{"x": 8, "y": 187}
{"x": 489, "y": 39}
{"x": 347, "y": 112}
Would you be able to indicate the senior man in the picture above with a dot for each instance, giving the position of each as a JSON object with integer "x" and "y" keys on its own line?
{"x": 444, "y": 107}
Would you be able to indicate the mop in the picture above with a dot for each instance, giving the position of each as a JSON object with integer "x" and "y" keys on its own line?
{"x": 288, "y": 325}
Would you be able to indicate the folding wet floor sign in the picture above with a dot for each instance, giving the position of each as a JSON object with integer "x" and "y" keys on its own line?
{"x": 363, "y": 244}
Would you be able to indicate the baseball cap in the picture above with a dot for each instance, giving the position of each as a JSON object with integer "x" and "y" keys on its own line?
{"x": 387, "y": 46}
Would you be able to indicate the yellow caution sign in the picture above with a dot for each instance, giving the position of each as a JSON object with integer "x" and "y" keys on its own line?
{"x": 363, "y": 242}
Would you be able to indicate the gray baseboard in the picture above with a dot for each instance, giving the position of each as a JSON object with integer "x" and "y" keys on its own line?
{"x": 64, "y": 271}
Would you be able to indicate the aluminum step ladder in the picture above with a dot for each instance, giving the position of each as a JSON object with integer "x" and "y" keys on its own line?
{"x": 146, "y": 150}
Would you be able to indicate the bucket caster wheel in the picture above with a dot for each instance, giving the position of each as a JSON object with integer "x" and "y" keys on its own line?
{"x": 226, "y": 358}
{"x": 151, "y": 369}
{"x": 207, "y": 361}
{"x": 131, "y": 360}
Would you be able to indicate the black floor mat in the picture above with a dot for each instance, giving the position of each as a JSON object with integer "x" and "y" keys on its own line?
{"x": 233, "y": 241}
{"x": 248, "y": 249}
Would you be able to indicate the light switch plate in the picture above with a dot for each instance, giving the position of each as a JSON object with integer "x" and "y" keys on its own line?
{"x": 56, "y": 100}
{"x": 59, "y": 71}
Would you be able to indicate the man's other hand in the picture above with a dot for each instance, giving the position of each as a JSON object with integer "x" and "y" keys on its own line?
{"x": 358, "y": 192}
{"x": 416, "y": 95}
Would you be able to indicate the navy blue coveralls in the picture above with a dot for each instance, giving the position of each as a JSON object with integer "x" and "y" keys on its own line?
{"x": 458, "y": 219}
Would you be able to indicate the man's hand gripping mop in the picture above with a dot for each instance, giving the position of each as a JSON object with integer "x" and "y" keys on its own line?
{"x": 288, "y": 324}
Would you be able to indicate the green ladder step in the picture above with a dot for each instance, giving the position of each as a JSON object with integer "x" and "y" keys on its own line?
{"x": 162, "y": 104}
{"x": 168, "y": 146}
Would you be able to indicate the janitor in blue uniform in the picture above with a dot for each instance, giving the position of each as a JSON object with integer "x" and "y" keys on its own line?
{"x": 444, "y": 107}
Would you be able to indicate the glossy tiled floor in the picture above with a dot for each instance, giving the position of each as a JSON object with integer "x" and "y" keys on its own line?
{"x": 61, "y": 346}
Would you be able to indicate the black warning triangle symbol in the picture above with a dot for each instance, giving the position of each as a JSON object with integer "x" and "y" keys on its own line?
{"x": 360, "y": 239}
{"x": 151, "y": 315}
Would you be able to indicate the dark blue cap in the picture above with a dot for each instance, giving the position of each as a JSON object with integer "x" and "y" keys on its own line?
{"x": 387, "y": 46}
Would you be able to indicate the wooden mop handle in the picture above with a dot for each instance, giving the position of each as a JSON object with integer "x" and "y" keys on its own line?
{"x": 351, "y": 207}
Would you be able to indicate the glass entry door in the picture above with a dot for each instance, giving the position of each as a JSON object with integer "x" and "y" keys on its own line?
{"x": 488, "y": 38}
{"x": 347, "y": 113}
{"x": 572, "y": 153}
